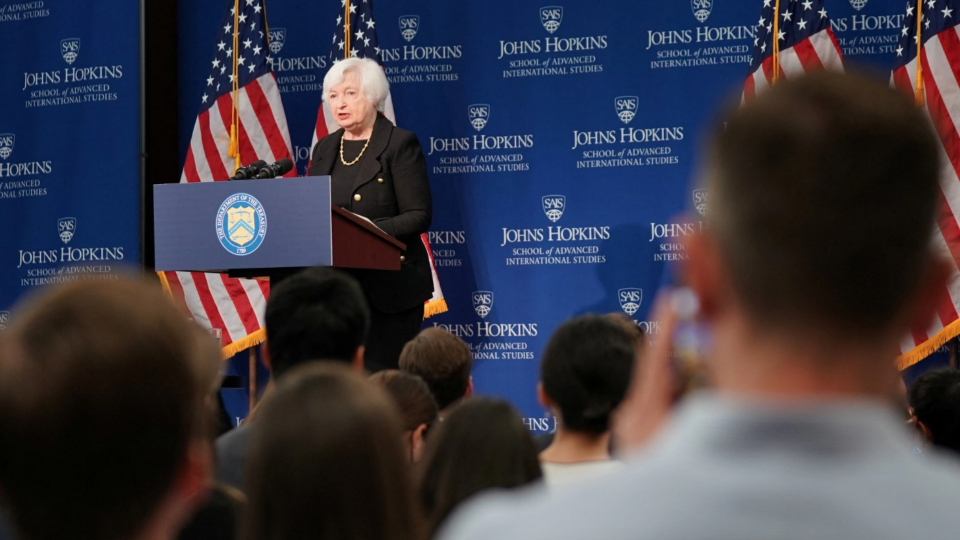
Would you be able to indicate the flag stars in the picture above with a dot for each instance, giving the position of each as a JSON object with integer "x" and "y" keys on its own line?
{"x": 823, "y": 13}
{"x": 904, "y": 31}
{"x": 340, "y": 45}
{"x": 353, "y": 8}
{"x": 210, "y": 81}
{"x": 786, "y": 15}
{"x": 802, "y": 24}
{"x": 249, "y": 2}
{"x": 227, "y": 28}
{"x": 223, "y": 69}
{"x": 216, "y": 63}
{"x": 253, "y": 26}
{"x": 257, "y": 8}
{"x": 230, "y": 52}
{"x": 205, "y": 98}
{"x": 766, "y": 3}
{"x": 251, "y": 67}
{"x": 946, "y": 12}
{"x": 930, "y": 4}
{"x": 243, "y": 17}
{"x": 339, "y": 19}
{"x": 232, "y": 77}
{"x": 762, "y": 20}
{"x": 241, "y": 60}
{"x": 256, "y": 50}
{"x": 221, "y": 45}
{"x": 366, "y": 42}
{"x": 807, "y": 5}
{"x": 899, "y": 50}
{"x": 247, "y": 44}
{"x": 370, "y": 24}
{"x": 359, "y": 34}
{"x": 926, "y": 24}
{"x": 353, "y": 52}
{"x": 781, "y": 35}
{"x": 763, "y": 47}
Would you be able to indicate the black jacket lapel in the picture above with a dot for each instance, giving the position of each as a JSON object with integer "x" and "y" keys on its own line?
{"x": 370, "y": 165}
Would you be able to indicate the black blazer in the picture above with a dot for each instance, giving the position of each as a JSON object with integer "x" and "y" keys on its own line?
{"x": 393, "y": 192}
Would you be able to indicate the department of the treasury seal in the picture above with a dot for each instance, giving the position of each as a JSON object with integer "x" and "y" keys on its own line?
{"x": 241, "y": 224}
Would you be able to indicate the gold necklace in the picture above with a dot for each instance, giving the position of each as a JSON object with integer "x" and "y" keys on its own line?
{"x": 358, "y": 156}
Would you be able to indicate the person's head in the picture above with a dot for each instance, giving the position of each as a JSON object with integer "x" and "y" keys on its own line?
{"x": 585, "y": 372}
{"x": 355, "y": 89}
{"x": 102, "y": 393}
{"x": 417, "y": 408}
{"x": 325, "y": 461}
{"x": 630, "y": 326}
{"x": 443, "y": 361}
{"x": 316, "y": 314}
{"x": 823, "y": 192}
{"x": 483, "y": 444}
{"x": 935, "y": 400}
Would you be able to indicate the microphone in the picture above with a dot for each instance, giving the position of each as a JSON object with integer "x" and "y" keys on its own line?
{"x": 277, "y": 169}
{"x": 250, "y": 171}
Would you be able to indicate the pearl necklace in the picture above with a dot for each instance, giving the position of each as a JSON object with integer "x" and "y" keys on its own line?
{"x": 361, "y": 151}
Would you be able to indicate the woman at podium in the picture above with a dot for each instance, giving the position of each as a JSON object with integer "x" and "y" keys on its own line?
{"x": 378, "y": 171}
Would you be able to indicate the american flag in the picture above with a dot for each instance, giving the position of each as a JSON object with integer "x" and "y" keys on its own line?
{"x": 361, "y": 42}
{"x": 939, "y": 90}
{"x": 806, "y": 43}
{"x": 235, "y": 306}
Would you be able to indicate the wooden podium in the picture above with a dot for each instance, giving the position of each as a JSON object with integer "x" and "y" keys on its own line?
{"x": 264, "y": 228}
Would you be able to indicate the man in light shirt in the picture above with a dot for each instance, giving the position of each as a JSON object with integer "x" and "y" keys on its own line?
{"x": 814, "y": 260}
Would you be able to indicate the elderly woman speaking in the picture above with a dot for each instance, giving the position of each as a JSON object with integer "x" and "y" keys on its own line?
{"x": 378, "y": 171}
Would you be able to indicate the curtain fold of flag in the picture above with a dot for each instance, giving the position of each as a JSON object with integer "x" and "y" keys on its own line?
{"x": 930, "y": 27}
{"x": 360, "y": 39}
{"x": 241, "y": 97}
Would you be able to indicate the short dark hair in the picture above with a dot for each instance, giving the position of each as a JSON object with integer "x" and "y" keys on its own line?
{"x": 413, "y": 399}
{"x": 585, "y": 371}
{"x": 442, "y": 360}
{"x": 102, "y": 386}
{"x": 317, "y": 314}
{"x": 935, "y": 399}
{"x": 823, "y": 193}
{"x": 326, "y": 461}
{"x": 483, "y": 444}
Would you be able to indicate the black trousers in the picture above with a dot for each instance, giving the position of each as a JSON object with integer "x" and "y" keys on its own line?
{"x": 389, "y": 332}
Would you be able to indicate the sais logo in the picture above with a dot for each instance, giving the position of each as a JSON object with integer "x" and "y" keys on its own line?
{"x": 6, "y": 144}
{"x": 553, "y": 206}
{"x": 70, "y": 48}
{"x": 626, "y": 107}
{"x": 702, "y": 8}
{"x": 858, "y": 4}
{"x": 409, "y": 24}
{"x": 277, "y": 37}
{"x": 479, "y": 114}
{"x": 630, "y": 300}
{"x": 700, "y": 201}
{"x": 241, "y": 224}
{"x": 4, "y": 320}
{"x": 482, "y": 303}
{"x": 551, "y": 16}
{"x": 66, "y": 227}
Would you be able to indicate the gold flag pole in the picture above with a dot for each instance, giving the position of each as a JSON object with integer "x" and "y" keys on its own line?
{"x": 919, "y": 91}
{"x": 346, "y": 29}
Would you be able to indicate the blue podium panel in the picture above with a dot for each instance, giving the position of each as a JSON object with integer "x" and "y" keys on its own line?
{"x": 216, "y": 226}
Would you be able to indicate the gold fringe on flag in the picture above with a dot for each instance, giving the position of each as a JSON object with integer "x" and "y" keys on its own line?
{"x": 434, "y": 307}
{"x": 929, "y": 347}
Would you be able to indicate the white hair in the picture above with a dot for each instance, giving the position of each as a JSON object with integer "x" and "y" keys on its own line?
{"x": 370, "y": 76}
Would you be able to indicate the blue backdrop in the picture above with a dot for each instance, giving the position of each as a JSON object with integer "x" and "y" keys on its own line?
{"x": 561, "y": 140}
{"x": 69, "y": 143}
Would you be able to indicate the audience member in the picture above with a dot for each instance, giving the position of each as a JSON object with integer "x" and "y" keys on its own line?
{"x": 443, "y": 361}
{"x": 935, "y": 401}
{"x": 637, "y": 337}
{"x": 483, "y": 444}
{"x": 415, "y": 403}
{"x": 316, "y": 314}
{"x": 325, "y": 462}
{"x": 102, "y": 394}
{"x": 584, "y": 373}
{"x": 814, "y": 260}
